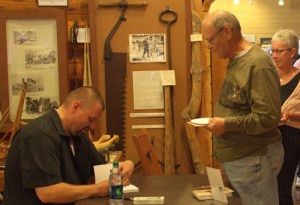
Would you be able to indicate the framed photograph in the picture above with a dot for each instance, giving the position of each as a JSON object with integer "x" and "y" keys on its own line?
{"x": 52, "y": 2}
{"x": 147, "y": 48}
{"x": 265, "y": 41}
{"x": 34, "y": 53}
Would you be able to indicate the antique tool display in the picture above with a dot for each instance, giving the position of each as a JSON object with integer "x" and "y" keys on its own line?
{"x": 4, "y": 145}
{"x": 115, "y": 74}
{"x": 169, "y": 17}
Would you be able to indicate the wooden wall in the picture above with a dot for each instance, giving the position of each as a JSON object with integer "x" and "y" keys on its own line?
{"x": 146, "y": 21}
{"x": 137, "y": 22}
{"x": 262, "y": 18}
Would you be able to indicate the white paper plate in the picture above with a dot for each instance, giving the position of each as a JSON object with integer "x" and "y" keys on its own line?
{"x": 195, "y": 125}
{"x": 200, "y": 121}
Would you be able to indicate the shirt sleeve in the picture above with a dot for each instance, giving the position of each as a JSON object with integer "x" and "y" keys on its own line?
{"x": 97, "y": 157}
{"x": 40, "y": 162}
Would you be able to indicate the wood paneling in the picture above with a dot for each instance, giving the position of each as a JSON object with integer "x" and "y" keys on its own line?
{"x": 263, "y": 18}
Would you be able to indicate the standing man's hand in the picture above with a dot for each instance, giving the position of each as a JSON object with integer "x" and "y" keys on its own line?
{"x": 216, "y": 126}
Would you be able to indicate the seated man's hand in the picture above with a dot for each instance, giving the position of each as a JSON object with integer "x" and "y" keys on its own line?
{"x": 127, "y": 169}
{"x": 103, "y": 188}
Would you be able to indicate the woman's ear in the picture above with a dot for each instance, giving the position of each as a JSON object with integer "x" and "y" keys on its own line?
{"x": 294, "y": 52}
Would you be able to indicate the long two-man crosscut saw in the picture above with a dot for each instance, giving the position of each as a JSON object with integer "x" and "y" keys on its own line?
{"x": 115, "y": 74}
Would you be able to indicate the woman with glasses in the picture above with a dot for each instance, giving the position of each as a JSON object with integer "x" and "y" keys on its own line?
{"x": 284, "y": 49}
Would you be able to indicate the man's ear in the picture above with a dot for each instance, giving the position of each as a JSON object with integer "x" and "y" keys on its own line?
{"x": 228, "y": 31}
{"x": 75, "y": 106}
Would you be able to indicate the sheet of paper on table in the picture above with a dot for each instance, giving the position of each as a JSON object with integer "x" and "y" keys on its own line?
{"x": 102, "y": 173}
{"x": 216, "y": 184}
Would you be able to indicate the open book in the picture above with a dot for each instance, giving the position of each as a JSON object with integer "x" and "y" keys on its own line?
{"x": 102, "y": 173}
{"x": 204, "y": 192}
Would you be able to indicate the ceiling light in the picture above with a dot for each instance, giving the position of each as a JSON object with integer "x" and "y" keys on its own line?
{"x": 281, "y": 2}
{"x": 236, "y": 2}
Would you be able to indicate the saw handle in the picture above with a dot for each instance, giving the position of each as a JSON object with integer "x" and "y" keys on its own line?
{"x": 122, "y": 4}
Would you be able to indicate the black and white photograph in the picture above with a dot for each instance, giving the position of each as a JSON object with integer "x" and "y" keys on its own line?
{"x": 40, "y": 57}
{"x": 35, "y": 82}
{"x": 147, "y": 48}
{"x": 39, "y": 105}
{"x": 24, "y": 37}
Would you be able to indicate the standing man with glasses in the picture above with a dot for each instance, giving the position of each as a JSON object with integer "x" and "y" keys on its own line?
{"x": 284, "y": 50}
{"x": 245, "y": 130}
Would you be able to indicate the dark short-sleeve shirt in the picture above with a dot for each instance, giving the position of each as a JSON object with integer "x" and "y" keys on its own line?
{"x": 40, "y": 155}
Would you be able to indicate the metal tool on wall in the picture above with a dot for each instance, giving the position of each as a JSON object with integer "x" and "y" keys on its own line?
{"x": 115, "y": 74}
{"x": 74, "y": 55}
{"x": 169, "y": 17}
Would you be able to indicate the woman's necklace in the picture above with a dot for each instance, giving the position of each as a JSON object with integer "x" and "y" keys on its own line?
{"x": 286, "y": 77}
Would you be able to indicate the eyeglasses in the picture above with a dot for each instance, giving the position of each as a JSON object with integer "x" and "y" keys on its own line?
{"x": 210, "y": 40}
{"x": 279, "y": 51}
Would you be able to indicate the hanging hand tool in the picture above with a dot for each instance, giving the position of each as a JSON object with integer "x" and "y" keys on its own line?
{"x": 115, "y": 74}
{"x": 74, "y": 55}
{"x": 169, "y": 17}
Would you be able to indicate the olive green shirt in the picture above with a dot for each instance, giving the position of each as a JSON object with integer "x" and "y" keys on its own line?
{"x": 249, "y": 101}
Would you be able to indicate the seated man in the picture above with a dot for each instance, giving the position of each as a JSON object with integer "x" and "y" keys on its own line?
{"x": 51, "y": 158}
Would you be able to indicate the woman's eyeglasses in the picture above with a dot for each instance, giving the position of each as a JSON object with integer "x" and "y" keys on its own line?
{"x": 278, "y": 51}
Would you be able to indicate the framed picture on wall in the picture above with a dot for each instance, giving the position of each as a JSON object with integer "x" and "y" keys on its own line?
{"x": 265, "y": 41}
{"x": 52, "y": 2}
{"x": 147, "y": 48}
{"x": 33, "y": 53}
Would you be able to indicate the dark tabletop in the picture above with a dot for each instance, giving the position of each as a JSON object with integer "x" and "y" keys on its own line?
{"x": 177, "y": 190}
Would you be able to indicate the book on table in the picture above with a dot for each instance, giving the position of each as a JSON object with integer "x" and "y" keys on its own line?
{"x": 205, "y": 193}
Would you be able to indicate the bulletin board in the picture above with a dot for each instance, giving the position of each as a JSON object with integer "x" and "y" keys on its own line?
{"x": 34, "y": 49}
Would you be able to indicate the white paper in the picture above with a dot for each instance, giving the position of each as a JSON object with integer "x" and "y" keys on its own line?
{"x": 147, "y": 90}
{"x": 83, "y": 35}
{"x": 168, "y": 77}
{"x": 216, "y": 184}
{"x": 196, "y": 37}
{"x": 102, "y": 173}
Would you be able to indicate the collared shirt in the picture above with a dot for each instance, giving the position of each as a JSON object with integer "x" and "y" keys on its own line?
{"x": 40, "y": 155}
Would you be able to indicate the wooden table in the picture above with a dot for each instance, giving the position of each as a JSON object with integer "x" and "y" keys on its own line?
{"x": 177, "y": 190}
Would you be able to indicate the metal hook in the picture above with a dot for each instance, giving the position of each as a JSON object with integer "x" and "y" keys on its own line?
{"x": 168, "y": 11}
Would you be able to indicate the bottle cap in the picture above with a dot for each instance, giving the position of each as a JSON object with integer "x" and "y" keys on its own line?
{"x": 115, "y": 164}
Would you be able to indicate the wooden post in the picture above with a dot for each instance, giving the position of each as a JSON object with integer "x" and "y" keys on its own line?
{"x": 197, "y": 72}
